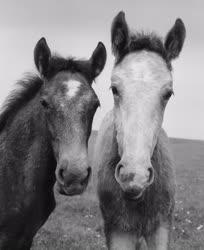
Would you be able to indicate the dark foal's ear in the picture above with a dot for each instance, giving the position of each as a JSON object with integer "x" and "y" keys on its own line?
{"x": 98, "y": 59}
{"x": 175, "y": 39}
{"x": 119, "y": 34}
{"x": 42, "y": 56}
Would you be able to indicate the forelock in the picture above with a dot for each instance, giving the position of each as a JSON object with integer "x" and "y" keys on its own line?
{"x": 144, "y": 41}
{"x": 58, "y": 64}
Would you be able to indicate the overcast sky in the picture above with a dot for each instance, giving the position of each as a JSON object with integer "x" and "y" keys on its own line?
{"x": 75, "y": 27}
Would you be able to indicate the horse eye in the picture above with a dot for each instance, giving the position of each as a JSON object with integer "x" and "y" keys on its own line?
{"x": 114, "y": 90}
{"x": 167, "y": 95}
{"x": 44, "y": 103}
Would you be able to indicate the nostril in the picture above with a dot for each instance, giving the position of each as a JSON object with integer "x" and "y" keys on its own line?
{"x": 151, "y": 175}
{"x": 88, "y": 173}
{"x": 118, "y": 168}
{"x": 60, "y": 175}
{"x": 86, "y": 179}
{"x": 122, "y": 175}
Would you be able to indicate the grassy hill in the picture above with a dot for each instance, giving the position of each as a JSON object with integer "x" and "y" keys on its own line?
{"x": 76, "y": 222}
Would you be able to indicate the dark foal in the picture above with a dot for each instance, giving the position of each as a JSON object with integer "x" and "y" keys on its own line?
{"x": 44, "y": 132}
{"x": 135, "y": 181}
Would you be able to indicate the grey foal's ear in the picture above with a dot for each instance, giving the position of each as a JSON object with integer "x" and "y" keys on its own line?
{"x": 175, "y": 39}
{"x": 119, "y": 34}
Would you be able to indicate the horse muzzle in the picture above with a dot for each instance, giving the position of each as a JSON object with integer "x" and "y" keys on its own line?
{"x": 72, "y": 180}
{"x": 133, "y": 180}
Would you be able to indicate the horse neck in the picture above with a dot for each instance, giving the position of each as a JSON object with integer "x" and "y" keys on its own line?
{"x": 27, "y": 126}
{"x": 163, "y": 164}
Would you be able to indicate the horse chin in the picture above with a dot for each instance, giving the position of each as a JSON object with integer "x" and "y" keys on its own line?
{"x": 134, "y": 198}
{"x": 70, "y": 191}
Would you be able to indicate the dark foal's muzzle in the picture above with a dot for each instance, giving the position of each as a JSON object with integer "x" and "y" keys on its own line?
{"x": 72, "y": 180}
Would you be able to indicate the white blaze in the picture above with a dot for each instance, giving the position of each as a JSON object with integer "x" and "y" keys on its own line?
{"x": 73, "y": 87}
{"x": 140, "y": 78}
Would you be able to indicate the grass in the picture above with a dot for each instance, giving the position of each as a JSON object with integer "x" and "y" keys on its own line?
{"x": 76, "y": 222}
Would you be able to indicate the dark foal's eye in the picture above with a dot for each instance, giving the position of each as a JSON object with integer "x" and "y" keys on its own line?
{"x": 44, "y": 103}
{"x": 168, "y": 94}
{"x": 114, "y": 91}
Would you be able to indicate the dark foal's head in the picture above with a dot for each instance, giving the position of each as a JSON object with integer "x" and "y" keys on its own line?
{"x": 142, "y": 85}
{"x": 69, "y": 103}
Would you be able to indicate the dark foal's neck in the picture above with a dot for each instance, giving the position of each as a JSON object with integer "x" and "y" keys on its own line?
{"x": 27, "y": 174}
{"x": 26, "y": 151}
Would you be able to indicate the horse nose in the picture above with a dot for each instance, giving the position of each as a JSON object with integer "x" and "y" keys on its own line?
{"x": 133, "y": 180}
{"x": 70, "y": 176}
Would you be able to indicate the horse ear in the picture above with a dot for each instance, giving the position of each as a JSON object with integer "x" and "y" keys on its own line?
{"x": 42, "y": 56}
{"x": 98, "y": 59}
{"x": 175, "y": 39}
{"x": 119, "y": 34}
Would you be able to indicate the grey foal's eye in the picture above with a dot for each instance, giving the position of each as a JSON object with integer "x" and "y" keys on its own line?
{"x": 114, "y": 91}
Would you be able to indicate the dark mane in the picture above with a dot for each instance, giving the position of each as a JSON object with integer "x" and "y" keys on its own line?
{"x": 144, "y": 41}
{"x": 27, "y": 89}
